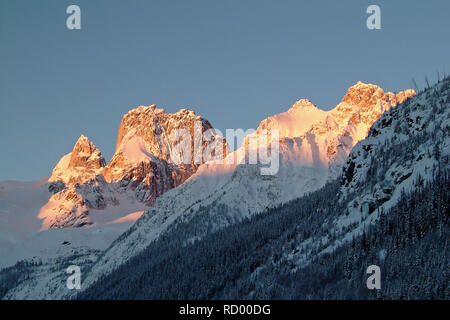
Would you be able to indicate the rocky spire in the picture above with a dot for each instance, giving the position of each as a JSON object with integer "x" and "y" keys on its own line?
{"x": 85, "y": 154}
{"x": 79, "y": 166}
{"x": 145, "y": 136}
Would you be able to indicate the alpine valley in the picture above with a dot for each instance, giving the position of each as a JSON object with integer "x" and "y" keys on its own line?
{"x": 365, "y": 183}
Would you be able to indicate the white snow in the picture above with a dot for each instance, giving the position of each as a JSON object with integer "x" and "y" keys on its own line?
{"x": 135, "y": 150}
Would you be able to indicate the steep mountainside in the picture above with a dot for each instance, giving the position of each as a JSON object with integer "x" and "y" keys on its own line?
{"x": 253, "y": 258}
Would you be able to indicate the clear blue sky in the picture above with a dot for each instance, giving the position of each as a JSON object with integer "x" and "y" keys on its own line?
{"x": 234, "y": 62}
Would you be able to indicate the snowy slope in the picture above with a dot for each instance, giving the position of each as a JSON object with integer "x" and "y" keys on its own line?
{"x": 19, "y": 204}
{"x": 20, "y": 235}
{"x": 404, "y": 148}
{"x": 20, "y": 238}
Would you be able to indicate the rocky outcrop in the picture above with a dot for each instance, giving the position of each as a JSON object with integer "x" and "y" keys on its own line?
{"x": 77, "y": 186}
{"x": 365, "y": 103}
{"x": 145, "y": 158}
{"x": 82, "y": 164}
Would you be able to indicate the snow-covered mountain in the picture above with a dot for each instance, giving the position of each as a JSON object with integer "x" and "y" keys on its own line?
{"x": 314, "y": 145}
{"x": 389, "y": 207}
{"x": 140, "y": 170}
{"x": 406, "y": 147}
{"x": 36, "y": 218}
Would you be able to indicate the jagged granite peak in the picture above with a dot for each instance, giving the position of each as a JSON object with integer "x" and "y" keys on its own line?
{"x": 85, "y": 154}
{"x": 145, "y": 137}
{"x": 367, "y": 94}
{"x": 77, "y": 186}
{"x": 82, "y": 164}
{"x": 366, "y": 102}
{"x": 140, "y": 170}
{"x": 154, "y": 125}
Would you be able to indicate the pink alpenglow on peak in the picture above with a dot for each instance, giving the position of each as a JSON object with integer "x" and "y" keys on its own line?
{"x": 82, "y": 164}
{"x": 143, "y": 168}
{"x": 140, "y": 170}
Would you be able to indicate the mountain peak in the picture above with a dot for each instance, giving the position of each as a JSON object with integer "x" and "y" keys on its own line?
{"x": 144, "y": 150}
{"x": 301, "y": 105}
{"x": 83, "y": 163}
{"x": 83, "y": 145}
{"x": 363, "y": 94}
{"x": 146, "y": 121}
{"x": 366, "y": 94}
{"x": 85, "y": 154}
{"x": 361, "y": 84}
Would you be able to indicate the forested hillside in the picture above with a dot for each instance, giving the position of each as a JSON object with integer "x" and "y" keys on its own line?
{"x": 390, "y": 208}
{"x": 410, "y": 244}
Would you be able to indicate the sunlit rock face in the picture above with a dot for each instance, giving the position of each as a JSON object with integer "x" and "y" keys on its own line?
{"x": 310, "y": 136}
{"x": 82, "y": 164}
{"x": 143, "y": 159}
{"x": 141, "y": 169}
{"x": 77, "y": 186}
{"x": 366, "y": 102}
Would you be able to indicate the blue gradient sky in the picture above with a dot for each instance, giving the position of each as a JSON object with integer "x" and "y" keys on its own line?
{"x": 234, "y": 62}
